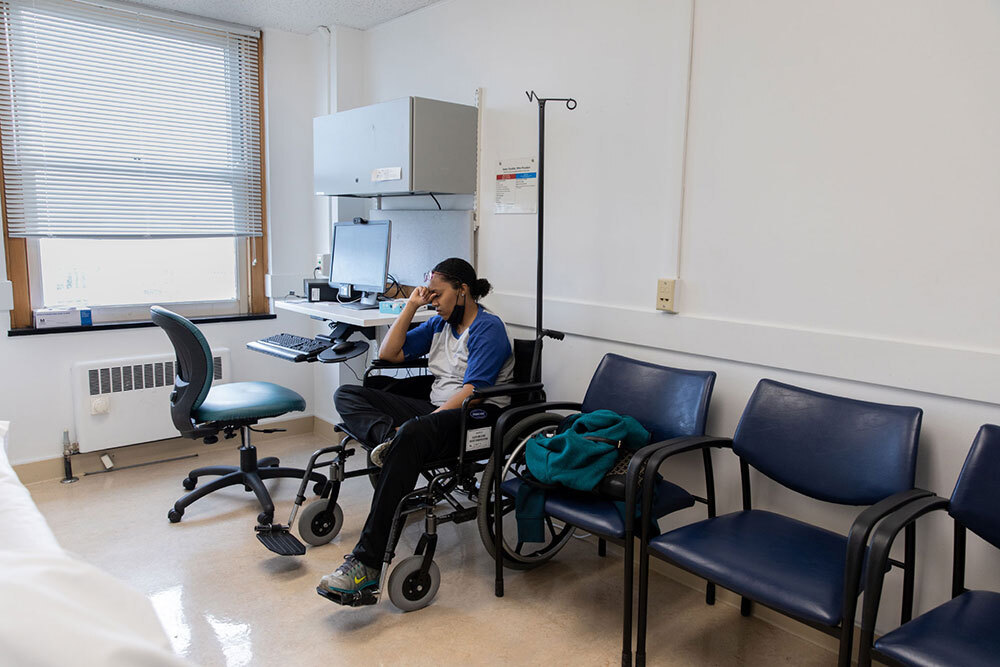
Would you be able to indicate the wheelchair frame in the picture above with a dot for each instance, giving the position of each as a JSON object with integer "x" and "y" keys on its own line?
{"x": 446, "y": 480}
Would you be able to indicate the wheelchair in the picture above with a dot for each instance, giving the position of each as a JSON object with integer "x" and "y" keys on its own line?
{"x": 456, "y": 489}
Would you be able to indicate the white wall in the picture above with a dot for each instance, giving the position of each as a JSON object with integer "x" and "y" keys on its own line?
{"x": 839, "y": 193}
{"x": 35, "y": 390}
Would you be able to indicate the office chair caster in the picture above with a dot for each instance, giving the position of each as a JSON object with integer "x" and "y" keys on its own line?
{"x": 318, "y": 524}
{"x": 410, "y": 588}
{"x": 175, "y": 515}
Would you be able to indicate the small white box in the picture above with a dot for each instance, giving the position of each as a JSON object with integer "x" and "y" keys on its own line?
{"x": 46, "y": 318}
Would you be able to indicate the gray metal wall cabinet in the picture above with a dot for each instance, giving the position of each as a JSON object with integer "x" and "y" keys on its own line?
{"x": 408, "y": 146}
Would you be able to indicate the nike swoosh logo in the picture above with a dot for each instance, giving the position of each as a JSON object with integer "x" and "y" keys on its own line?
{"x": 358, "y": 581}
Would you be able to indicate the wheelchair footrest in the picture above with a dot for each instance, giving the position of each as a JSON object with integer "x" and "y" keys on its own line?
{"x": 277, "y": 538}
{"x": 466, "y": 514}
{"x": 360, "y": 598}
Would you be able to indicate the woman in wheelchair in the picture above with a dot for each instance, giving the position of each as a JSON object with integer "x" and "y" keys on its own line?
{"x": 467, "y": 348}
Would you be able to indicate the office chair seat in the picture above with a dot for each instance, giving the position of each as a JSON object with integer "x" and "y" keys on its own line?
{"x": 960, "y": 632}
{"x": 778, "y": 561}
{"x": 247, "y": 400}
{"x": 599, "y": 515}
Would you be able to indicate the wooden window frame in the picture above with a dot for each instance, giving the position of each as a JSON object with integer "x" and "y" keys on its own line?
{"x": 16, "y": 249}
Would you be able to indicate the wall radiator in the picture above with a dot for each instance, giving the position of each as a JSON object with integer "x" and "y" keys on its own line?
{"x": 119, "y": 402}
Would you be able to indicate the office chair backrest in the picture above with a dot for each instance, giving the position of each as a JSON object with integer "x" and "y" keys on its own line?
{"x": 669, "y": 402}
{"x": 977, "y": 495}
{"x": 836, "y": 449}
{"x": 193, "y": 372}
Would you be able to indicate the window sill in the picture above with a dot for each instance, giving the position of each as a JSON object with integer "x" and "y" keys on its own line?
{"x": 105, "y": 326}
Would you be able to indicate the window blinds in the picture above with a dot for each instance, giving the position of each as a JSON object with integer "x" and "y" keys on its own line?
{"x": 121, "y": 124}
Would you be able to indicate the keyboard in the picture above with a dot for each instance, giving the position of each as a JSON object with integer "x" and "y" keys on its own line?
{"x": 289, "y": 346}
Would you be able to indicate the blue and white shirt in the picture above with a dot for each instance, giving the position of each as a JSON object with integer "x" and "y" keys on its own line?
{"x": 480, "y": 356}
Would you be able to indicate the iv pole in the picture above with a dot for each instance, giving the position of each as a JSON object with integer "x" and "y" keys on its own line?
{"x": 539, "y": 332}
{"x": 536, "y": 361}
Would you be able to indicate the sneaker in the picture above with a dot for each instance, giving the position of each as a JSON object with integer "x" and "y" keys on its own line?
{"x": 350, "y": 577}
{"x": 378, "y": 454}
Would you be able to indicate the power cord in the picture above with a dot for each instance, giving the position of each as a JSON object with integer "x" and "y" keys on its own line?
{"x": 339, "y": 300}
{"x": 435, "y": 200}
{"x": 394, "y": 284}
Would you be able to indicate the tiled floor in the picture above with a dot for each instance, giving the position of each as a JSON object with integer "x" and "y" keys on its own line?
{"x": 225, "y": 600}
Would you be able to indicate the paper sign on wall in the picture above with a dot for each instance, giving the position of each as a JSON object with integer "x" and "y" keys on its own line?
{"x": 517, "y": 186}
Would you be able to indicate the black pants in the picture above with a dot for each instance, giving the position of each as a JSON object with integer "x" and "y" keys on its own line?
{"x": 422, "y": 437}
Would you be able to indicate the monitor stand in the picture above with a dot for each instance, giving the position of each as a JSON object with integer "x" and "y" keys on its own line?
{"x": 369, "y": 300}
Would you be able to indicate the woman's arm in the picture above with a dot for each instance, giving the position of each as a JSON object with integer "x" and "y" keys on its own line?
{"x": 392, "y": 345}
{"x": 455, "y": 402}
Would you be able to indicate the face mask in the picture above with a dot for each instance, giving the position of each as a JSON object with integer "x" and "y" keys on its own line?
{"x": 457, "y": 313}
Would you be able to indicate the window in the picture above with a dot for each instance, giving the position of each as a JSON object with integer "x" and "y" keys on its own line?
{"x": 132, "y": 160}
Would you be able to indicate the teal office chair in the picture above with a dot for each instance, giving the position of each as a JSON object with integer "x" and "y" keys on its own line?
{"x": 200, "y": 410}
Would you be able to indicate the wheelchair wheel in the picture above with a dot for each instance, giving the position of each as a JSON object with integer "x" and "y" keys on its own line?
{"x": 409, "y": 589}
{"x": 318, "y": 525}
{"x": 519, "y": 555}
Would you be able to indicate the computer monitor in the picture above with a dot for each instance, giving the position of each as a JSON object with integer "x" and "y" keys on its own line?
{"x": 360, "y": 258}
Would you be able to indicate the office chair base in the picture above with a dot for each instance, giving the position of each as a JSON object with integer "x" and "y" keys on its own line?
{"x": 250, "y": 475}
{"x": 360, "y": 598}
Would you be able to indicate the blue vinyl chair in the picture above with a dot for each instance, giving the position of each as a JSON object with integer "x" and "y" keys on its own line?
{"x": 964, "y": 630}
{"x": 200, "y": 410}
{"x": 830, "y": 448}
{"x": 672, "y": 404}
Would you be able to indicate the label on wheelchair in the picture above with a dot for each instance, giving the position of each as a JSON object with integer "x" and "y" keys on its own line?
{"x": 477, "y": 439}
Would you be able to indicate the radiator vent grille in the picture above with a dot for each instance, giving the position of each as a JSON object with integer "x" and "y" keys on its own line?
{"x": 138, "y": 376}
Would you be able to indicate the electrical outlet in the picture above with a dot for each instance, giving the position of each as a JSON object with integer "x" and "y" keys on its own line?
{"x": 665, "y": 289}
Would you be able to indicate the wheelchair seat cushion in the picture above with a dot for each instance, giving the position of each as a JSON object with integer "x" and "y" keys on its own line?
{"x": 781, "y": 562}
{"x": 599, "y": 515}
{"x": 962, "y": 631}
{"x": 247, "y": 400}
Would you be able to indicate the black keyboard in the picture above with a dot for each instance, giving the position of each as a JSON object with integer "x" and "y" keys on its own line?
{"x": 289, "y": 346}
{"x": 297, "y": 343}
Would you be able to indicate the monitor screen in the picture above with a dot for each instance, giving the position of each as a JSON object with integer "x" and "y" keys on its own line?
{"x": 360, "y": 255}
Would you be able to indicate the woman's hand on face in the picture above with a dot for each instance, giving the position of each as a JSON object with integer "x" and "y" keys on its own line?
{"x": 421, "y": 296}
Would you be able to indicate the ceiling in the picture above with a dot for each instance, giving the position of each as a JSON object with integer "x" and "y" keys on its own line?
{"x": 301, "y": 16}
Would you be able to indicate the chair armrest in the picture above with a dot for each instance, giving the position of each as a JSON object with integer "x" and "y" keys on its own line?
{"x": 658, "y": 453}
{"x": 857, "y": 538}
{"x": 411, "y": 363}
{"x": 878, "y": 558}
{"x": 506, "y": 390}
{"x": 515, "y": 414}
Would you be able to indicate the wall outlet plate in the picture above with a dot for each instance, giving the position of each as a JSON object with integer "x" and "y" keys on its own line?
{"x": 665, "y": 295}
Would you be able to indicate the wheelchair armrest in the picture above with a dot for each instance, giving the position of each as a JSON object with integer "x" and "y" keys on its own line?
{"x": 878, "y": 559}
{"x": 507, "y": 390}
{"x": 654, "y": 457}
{"x": 411, "y": 363}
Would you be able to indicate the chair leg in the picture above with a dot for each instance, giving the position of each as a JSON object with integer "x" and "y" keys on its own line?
{"x": 231, "y": 479}
{"x": 710, "y": 593}
{"x": 275, "y": 472}
{"x": 254, "y": 482}
{"x": 602, "y": 547}
{"x": 746, "y": 606}
{"x": 211, "y": 470}
{"x": 910, "y": 537}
